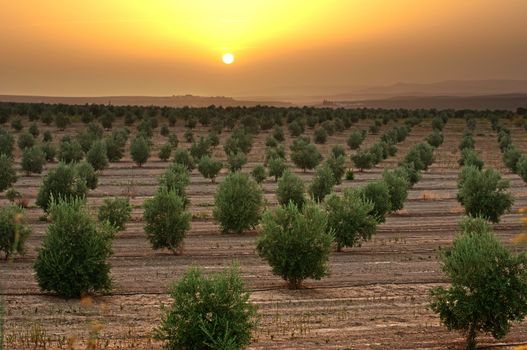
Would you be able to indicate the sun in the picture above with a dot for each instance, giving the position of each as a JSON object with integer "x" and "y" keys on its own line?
{"x": 228, "y": 58}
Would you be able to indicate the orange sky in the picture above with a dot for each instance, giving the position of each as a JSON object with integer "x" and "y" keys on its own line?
{"x": 162, "y": 47}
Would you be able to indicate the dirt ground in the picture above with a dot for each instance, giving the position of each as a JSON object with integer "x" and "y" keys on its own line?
{"x": 375, "y": 298}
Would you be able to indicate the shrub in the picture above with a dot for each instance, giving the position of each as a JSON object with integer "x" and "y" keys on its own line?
{"x": 200, "y": 149}
{"x": 349, "y": 175}
{"x": 521, "y": 167}
{"x": 165, "y": 151}
{"x": 306, "y": 156}
{"x": 70, "y": 151}
{"x": 238, "y": 141}
{"x": 320, "y": 135}
{"x": 355, "y": 139}
{"x": 173, "y": 140}
{"x": 350, "y": 218}
{"x": 296, "y": 128}
{"x": 408, "y": 171}
{"x": 438, "y": 124}
{"x": 62, "y": 121}
{"x": 176, "y": 178}
{"x": 72, "y": 260}
{"x": 17, "y": 124}
{"x": 483, "y": 193}
{"x": 511, "y": 155}
{"x": 296, "y": 243}
{"x": 238, "y": 203}
{"x": 164, "y": 131}
{"x": 379, "y": 194}
{"x": 421, "y": 155}
{"x": 115, "y": 211}
{"x": 236, "y": 161}
{"x": 166, "y": 220}
{"x": 6, "y": 142}
{"x": 209, "y": 312}
{"x": 7, "y": 172}
{"x": 363, "y": 159}
{"x": 114, "y": 149}
{"x": 107, "y": 120}
{"x": 14, "y": 230}
{"x": 62, "y": 182}
{"x": 290, "y": 189}
{"x": 467, "y": 141}
{"x": 49, "y": 151}
{"x": 209, "y": 167}
{"x": 259, "y": 173}
{"x": 140, "y": 150}
{"x": 11, "y": 194}
{"x": 97, "y": 156}
{"x": 397, "y": 187}
{"x": 33, "y": 160}
{"x": 213, "y": 139}
{"x": 435, "y": 139}
{"x": 338, "y": 151}
{"x": 182, "y": 157}
{"x": 469, "y": 224}
{"x": 25, "y": 140}
{"x": 322, "y": 183}
{"x": 276, "y": 167}
{"x": 188, "y": 135}
{"x": 337, "y": 166}
{"x": 88, "y": 174}
{"x": 469, "y": 157}
{"x": 271, "y": 142}
{"x": 33, "y": 130}
{"x": 488, "y": 290}
{"x": 278, "y": 133}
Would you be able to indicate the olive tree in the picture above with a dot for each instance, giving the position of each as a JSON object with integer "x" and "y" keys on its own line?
{"x": 14, "y": 230}
{"x": 209, "y": 167}
{"x": 290, "y": 189}
{"x": 7, "y": 172}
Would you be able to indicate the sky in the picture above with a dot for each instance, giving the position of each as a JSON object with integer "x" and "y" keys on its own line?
{"x": 281, "y": 47}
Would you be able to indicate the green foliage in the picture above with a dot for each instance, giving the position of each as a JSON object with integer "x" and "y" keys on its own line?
{"x": 408, "y": 171}
{"x": 322, "y": 184}
{"x": 6, "y": 142}
{"x": 483, "y": 193}
{"x": 209, "y": 167}
{"x": 49, "y": 151}
{"x": 421, "y": 155}
{"x": 115, "y": 211}
{"x": 72, "y": 260}
{"x": 349, "y": 175}
{"x": 488, "y": 290}
{"x": 355, "y": 139}
{"x": 209, "y": 312}
{"x": 236, "y": 160}
{"x": 306, "y": 156}
{"x": 469, "y": 157}
{"x": 467, "y": 141}
{"x": 379, "y": 194}
{"x": 17, "y": 124}
{"x": 296, "y": 243}
{"x": 164, "y": 131}
{"x": 438, "y": 124}
{"x": 397, "y": 187}
{"x": 238, "y": 141}
{"x": 338, "y": 151}
{"x": 469, "y": 224}
{"x": 350, "y": 218}
{"x": 166, "y": 220}
{"x": 182, "y": 157}
{"x": 140, "y": 150}
{"x": 238, "y": 203}
{"x": 278, "y": 133}
{"x": 62, "y": 121}
{"x": 521, "y": 167}
{"x": 200, "y": 149}
{"x": 511, "y": 156}
{"x": 165, "y": 151}
{"x": 188, "y": 135}
{"x": 259, "y": 173}
{"x": 363, "y": 159}
{"x": 320, "y": 135}
{"x": 14, "y": 230}
{"x": 276, "y": 167}
{"x": 435, "y": 139}
{"x": 7, "y": 172}
{"x": 33, "y": 160}
{"x": 62, "y": 182}
{"x": 176, "y": 178}
{"x": 88, "y": 174}
{"x": 33, "y": 130}
{"x": 290, "y": 189}
{"x": 97, "y": 156}
{"x": 25, "y": 140}
{"x": 296, "y": 128}
{"x": 70, "y": 150}
{"x": 337, "y": 166}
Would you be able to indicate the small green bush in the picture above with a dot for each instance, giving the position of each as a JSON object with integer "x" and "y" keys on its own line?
{"x": 115, "y": 211}
{"x": 397, "y": 187}
{"x": 7, "y": 172}
{"x": 33, "y": 160}
{"x": 166, "y": 220}
{"x": 209, "y": 167}
{"x": 165, "y": 151}
{"x": 49, "y": 151}
{"x": 363, "y": 159}
{"x": 521, "y": 167}
{"x": 176, "y": 178}
{"x": 322, "y": 184}
{"x": 259, "y": 173}
{"x": 276, "y": 167}
{"x": 337, "y": 166}
{"x": 435, "y": 139}
{"x": 469, "y": 224}
{"x": 483, "y": 193}
{"x": 14, "y": 230}
{"x": 511, "y": 155}
{"x": 306, "y": 156}
{"x": 72, "y": 260}
{"x": 488, "y": 290}
{"x": 379, "y": 194}
{"x": 25, "y": 140}
{"x": 6, "y": 142}
{"x": 469, "y": 157}
{"x": 33, "y": 130}
{"x": 320, "y": 135}
{"x": 350, "y": 176}
{"x": 140, "y": 150}
{"x": 350, "y": 218}
{"x": 88, "y": 174}
{"x": 182, "y": 157}
{"x": 209, "y": 312}
{"x": 338, "y": 151}
{"x": 290, "y": 189}
{"x": 238, "y": 203}
{"x": 70, "y": 151}
{"x": 97, "y": 156}
{"x": 236, "y": 161}
{"x": 296, "y": 243}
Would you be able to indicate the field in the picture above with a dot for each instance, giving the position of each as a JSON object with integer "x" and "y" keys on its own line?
{"x": 375, "y": 298}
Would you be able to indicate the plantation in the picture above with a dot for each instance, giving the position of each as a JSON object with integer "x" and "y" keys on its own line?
{"x": 337, "y": 224}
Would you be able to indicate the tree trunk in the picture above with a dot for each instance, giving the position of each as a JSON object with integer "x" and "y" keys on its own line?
{"x": 471, "y": 337}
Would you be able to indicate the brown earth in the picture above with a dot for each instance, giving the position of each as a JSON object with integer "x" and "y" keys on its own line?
{"x": 375, "y": 297}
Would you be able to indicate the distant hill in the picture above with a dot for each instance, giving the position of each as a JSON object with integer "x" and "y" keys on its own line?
{"x": 169, "y": 101}
{"x": 482, "y": 102}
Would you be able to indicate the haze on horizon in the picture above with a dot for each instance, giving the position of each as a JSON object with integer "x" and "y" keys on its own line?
{"x": 281, "y": 47}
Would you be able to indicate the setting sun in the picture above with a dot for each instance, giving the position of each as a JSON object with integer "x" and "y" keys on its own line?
{"x": 228, "y": 58}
